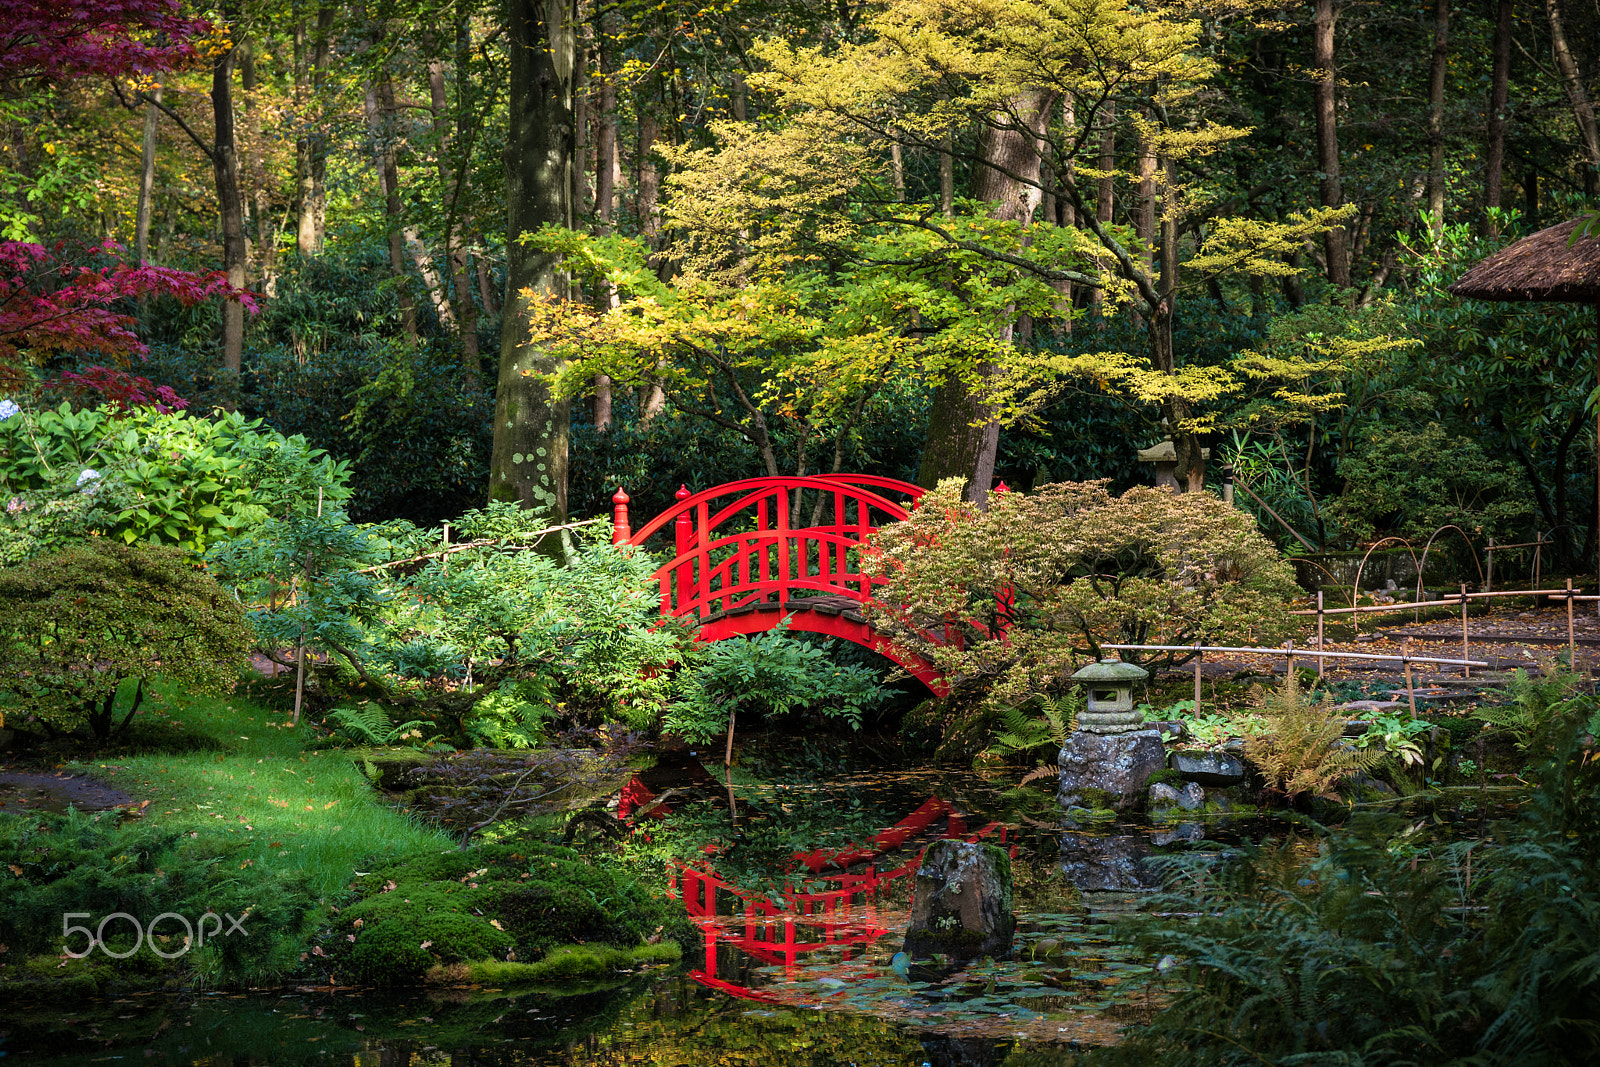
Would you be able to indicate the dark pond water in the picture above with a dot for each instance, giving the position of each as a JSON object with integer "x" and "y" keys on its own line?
{"x": 821, "y": 990}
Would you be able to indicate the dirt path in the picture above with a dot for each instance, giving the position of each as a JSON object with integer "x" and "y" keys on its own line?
{"x": 25, "y": 791}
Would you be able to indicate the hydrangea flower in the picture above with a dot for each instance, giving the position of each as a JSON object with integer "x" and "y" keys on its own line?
{"x": 89, "y": 481}
{"x": 8, "y": 408}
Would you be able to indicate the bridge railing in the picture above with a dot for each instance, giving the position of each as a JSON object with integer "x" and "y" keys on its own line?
{"x": 778, "y": 556}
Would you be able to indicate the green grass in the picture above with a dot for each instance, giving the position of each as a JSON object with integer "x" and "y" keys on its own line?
{"x": 300, "y": 809}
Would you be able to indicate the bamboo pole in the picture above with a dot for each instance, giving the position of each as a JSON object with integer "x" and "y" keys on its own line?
{"x": 1572, "y": 637}
{"x": 1198, "y": 656}
{"x": 1319, "y": 635}
{"x": 1488, "y": 567}
{"x": 1279, "y": 651}
{"x": 1411, "y": 690}
{"x": 1466, "y": 672}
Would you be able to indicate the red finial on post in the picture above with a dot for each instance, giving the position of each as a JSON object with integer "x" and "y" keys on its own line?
{"x": 1002, "y": 487}
{"x": 683, "y": 529}
{"x": 620, "y": 530}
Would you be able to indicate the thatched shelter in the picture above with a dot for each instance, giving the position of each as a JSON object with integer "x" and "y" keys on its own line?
{"x": 1544, "y": 266}
{"x": 1547, "y": 265}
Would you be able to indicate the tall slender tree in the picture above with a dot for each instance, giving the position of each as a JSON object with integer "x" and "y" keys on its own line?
{"x": 531, "y": 428}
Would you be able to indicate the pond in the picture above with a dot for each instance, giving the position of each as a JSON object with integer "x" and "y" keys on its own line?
{"x": 824, "y": 989}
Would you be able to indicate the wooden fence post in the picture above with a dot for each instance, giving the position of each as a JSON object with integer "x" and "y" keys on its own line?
{"x": 1319, "y": 635}
{"x": 1405, "y": 660}
{"x": 1198, "y": 657}
{"x": 1466, "y": 672}
{"x": 1488, "y": 567}
{"x": 1572, "y": 639}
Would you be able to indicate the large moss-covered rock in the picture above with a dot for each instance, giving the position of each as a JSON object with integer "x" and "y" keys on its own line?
{"x": 1120, "y": 765}
{"x": 961, "y": 904}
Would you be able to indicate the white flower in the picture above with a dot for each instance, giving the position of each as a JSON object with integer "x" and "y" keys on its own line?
{"x": 88, "y": 476}
{"x": 8, "y": 408}
{"x": 89, "y": 481}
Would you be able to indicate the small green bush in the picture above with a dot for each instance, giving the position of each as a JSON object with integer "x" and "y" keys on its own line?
{"x": 76, "y": 624}
{"x": 771, "y": 674}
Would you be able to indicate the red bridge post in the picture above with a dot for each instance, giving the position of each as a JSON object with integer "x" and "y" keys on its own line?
{"x": 620, "y": 530}
{"x": 683, "y": 535}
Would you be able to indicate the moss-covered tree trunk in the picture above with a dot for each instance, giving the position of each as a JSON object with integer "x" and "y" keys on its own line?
{"x": 529, "y": 461}
{"x": 963, "y": 434}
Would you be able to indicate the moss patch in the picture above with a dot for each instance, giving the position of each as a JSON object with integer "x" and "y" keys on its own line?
{"x": 568, "y": 961}
{"x": 437, "y": 917}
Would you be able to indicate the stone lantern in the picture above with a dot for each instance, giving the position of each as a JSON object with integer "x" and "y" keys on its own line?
{"x": 1165, "y": 457}
{"x": 1109, "y": 703}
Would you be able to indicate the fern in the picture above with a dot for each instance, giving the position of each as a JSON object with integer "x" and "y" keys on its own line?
{"x": 368, "y": 725}
{"x": 1534, "y": 707}
{"x": 1022, "y": 734}
{"x": 1303, "y": 750}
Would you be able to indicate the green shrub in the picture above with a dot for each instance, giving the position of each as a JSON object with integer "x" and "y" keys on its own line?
{"x": 76, "y": 624}
{"x": 771, "y": 674}
{"x": 485, "y": 643}
{"x": 1412, "y": 482}
{"x": 169, "y": 478}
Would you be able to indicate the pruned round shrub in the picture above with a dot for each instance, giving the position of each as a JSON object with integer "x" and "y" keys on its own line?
{"x": 76, "y": 624}
{"x": 1007, "y": 597}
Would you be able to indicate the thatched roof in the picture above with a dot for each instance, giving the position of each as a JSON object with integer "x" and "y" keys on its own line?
{"x": 1538, "y": 267}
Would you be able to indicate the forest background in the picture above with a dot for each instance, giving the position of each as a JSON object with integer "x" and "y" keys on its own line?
{"x": 919, "y": 238}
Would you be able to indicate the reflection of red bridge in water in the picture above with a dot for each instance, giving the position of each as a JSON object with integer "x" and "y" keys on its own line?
{"x": 773, "y": 935}
{"x": 743, "y": 562}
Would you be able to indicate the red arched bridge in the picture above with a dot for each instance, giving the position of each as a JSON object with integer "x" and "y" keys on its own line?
{"x": 743, "y": 562}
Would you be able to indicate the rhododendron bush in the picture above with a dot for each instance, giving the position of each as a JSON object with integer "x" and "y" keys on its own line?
{"x": 1011, "y": 597}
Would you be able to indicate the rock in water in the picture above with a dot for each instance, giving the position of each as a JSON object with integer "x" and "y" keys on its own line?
{"x": 961, "y": 905}
{"x": 1097, "y": 864}
{"x": 1117, "y": 765}
{"x": 1209, "y": 767}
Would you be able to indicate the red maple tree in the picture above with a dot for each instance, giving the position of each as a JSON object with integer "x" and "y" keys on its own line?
{"x": 78, "y": 300}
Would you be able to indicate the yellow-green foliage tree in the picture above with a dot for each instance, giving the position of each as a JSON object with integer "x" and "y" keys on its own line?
{"x": 1009, "y": 597}
{"x": 1041, "y": 81}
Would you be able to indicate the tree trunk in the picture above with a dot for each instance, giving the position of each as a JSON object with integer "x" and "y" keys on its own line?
{"x": 529, "y": 460}
{"x": 230, "y": 205}
{"x": 963, "y": 434}
{"x": 1105, "y": 189}
{"x": 1436, "y": 76}
{"x": 147, "y": 180}
{"x": 311, "y": 147}
{"x": 379, "y": 109}
{"x": 260, "y": 210}
{"x": 947, "y": 176}
{"x": 1144, "y": 222}
{"x": 604, "y": 122}
{"x": 466, "y": 310}
{"x": 1572, "y": 81}
{"x": 1324, "y": 101}
{"x": 648, "y": 179}
{"x": 1499, "y": 83}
